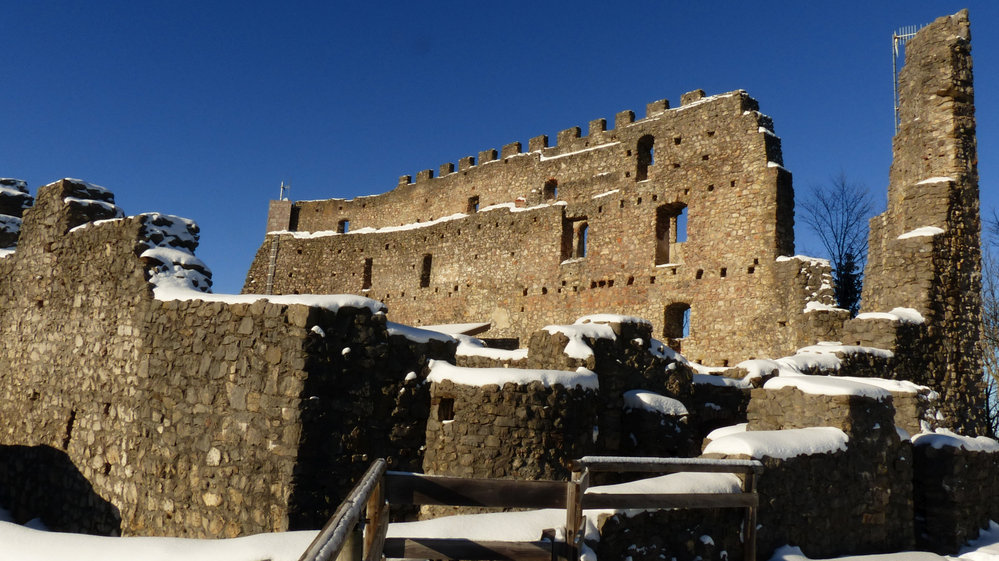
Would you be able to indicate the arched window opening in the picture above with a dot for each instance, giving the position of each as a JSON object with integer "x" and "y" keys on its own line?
{"x": 671, "y": 230}
{"x": 343, "y": 226}
{"x": 473, "y": 205}
{"x": 646, "y": 157}
{"x": 676, "y": 321}
{"x": 550, "y": 191}
{"x": 425, "y": 270}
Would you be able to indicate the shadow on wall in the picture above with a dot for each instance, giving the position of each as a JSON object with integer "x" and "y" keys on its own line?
{"x": 42, "y": 482}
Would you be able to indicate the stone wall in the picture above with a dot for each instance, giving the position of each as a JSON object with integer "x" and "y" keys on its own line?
{"x": 925, "y": 249}
{"x": 853, "y": 501}
{"x": 694, "y": 535}
{"x": 517, "y": 431}
{"x": 956, "y": 494}
{"x": 199, "y": 418}
{"x": 625, "y": 359}
{"x": 499, "y": 238}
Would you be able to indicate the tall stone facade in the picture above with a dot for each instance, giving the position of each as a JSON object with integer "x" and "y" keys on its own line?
{"x": 686, "y": 209}
{"x": 596, "y": 224}
{"x": 925, "y": 250}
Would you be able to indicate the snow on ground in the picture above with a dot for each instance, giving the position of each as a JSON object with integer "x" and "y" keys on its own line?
{"x": 662, "y": 350}
{"x": 24, "y": 543}
{"x": 440, "y": 371}
{"x": 985, "y": 548}
{"x": 781, "y": 444}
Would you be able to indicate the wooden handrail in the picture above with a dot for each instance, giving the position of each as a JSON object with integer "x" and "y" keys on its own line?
{"x": 747, "y": 499}
{"x": 378, "y": 488}
{"x": 421, "y": 489}
{"x": 331, "y": 539}
{"x": 665, "y": 465}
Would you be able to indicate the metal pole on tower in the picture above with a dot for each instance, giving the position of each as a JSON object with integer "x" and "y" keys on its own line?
{"x": 284, "y": 188}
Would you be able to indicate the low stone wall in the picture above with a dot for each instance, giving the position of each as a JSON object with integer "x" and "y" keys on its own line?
{"x": 693, "y": 535}
{"x": 649, "y": 433}
{"x": 956, "y": 494}
{"x": 717, "y": 406}
{"x": 623, "y": 361}
{"x": 831, "y": 505}
{"x": 855, "y": 501}
{"x": 517, "y": 431}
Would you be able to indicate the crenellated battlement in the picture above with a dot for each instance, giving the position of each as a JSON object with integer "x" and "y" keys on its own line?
{"x": 511, "y": 174}
{"x": 566, "y": 140}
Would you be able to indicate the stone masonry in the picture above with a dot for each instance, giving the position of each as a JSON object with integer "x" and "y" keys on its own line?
{"x": 685, "y": 218}
{"x": 196, "y": 418}
{"x": 686, "y": 209}
{"x": 925, "y": 250}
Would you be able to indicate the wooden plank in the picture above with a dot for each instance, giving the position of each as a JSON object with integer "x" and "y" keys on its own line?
{"x": 332, "y": 538}
{"x": 670, "y": 500}
{"x": 441, "y": 548}
{"x": 375, "y": 511}
{"x": 420, "y": 489}
{"x": 574, "y": 512}
{"x": 749, "y": 525}
{"x": 666, "y": 465}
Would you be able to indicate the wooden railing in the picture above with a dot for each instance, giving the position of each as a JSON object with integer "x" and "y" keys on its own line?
{"x": 582, "y": 468}
{"x": 340, "y": 538}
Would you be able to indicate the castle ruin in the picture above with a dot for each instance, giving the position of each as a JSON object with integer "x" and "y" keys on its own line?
{"x": 154, "y": 407}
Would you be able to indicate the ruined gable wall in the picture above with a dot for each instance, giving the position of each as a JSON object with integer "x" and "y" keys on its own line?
{"x": 136, "y": 392}
{"x": 934, "y": 183}
{"x": 184, "y": 418}
{"x": 712, "y": 156}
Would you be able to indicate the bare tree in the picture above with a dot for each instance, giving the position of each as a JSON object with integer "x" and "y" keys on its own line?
{"x": 838, "y": 213}
{"x": 990, "y": 316}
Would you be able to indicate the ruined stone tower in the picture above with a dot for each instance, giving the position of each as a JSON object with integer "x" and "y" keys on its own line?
{"x": 925, "y": 249}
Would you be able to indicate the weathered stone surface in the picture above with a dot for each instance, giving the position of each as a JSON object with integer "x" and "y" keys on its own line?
{"x": 956, "y": 494}
{"x": 716, "y": 157}
{"x": 188, "y": 418}
{"x": 934, "y": 183}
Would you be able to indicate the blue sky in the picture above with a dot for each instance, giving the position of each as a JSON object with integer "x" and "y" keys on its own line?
{"x": 202, "y": 109}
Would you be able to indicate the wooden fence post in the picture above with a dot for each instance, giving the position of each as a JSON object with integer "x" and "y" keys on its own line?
{"x": 749, "y": 525}
{"x": 574, "y": 520}
{"x": 376, "y": 523}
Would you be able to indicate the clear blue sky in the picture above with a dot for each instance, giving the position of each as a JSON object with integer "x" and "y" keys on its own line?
{"x": 202, "y": 109}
